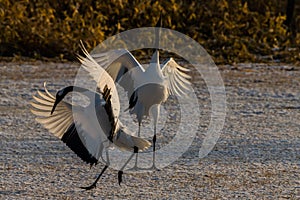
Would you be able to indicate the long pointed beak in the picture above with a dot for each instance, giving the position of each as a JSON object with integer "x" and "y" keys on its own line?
{"x": 54, "y": 106}
{"x": 159, "y": 22}
{"x": 157, "y": 32}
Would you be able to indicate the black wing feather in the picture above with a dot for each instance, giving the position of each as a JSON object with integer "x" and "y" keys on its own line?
{"x": 73, "y": 141}
{"x": 108, "y": 108}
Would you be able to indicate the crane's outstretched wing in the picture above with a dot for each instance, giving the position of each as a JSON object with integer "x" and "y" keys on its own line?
{"x": 121, "y": 65}
{"x": 76, "y": 127}
{"x": 62, "y": 124}
{"x": 117, "y": 62}
{"x": 177, "y": 77}
{"x": 101, "y": 77}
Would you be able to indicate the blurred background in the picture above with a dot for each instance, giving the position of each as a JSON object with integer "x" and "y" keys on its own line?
{"x": 231, "y": 31}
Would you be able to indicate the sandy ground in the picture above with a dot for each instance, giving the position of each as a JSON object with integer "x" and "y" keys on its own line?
{"x": 257, "y": 155}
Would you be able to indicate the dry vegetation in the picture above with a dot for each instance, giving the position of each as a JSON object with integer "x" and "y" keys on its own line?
{"x": 231, "y": 31}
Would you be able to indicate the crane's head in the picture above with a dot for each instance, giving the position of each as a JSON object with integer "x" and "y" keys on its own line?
{"x": 60, "y": 95}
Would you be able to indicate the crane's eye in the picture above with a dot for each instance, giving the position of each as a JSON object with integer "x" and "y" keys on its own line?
{"x": 60, "y": 93}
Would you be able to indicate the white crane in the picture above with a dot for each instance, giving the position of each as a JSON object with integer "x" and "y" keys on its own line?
{"x": 75, "y": 126}
{"x": 147, "y": 88}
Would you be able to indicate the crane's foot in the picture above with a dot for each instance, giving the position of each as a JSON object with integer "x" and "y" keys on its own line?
{"x": 89, "y": 187}
{"x": 95, "y": 182}
{"x": 135, "y": 168}
{"x": 152, "y": 168}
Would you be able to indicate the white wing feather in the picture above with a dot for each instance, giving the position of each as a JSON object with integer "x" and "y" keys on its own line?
{"x": 93, "y": 133}
{"x": 101, "y": 77}
{"x": 63, "y": 117}
{"x": 176, "y": 76}
{"x": 122, "y": 66}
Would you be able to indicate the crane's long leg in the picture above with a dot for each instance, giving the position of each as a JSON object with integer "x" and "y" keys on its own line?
{"x": 154, "y": 142}
{"x": 97, "y": 179}
{"x": 139, "y": 130}
{"x": 139, "y": 134}
{"x": 155, "y": 114}
{"x": 95, "y": 183}
{"x": 120, "y": 173}
{"x": 153, "y": 167}
{"x": 135, "y": 167}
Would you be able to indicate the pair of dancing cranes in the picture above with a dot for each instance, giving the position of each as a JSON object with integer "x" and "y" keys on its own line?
{"x": 147, "y": 89}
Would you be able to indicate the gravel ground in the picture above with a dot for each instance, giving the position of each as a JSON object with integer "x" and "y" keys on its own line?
{"x": 257, "y": 155}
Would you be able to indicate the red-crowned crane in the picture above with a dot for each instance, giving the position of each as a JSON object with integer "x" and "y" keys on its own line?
{"x": 86, "y": 135}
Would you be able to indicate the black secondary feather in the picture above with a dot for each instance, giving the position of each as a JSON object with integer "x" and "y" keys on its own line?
{"x": 73, "y": 141}
{"x": 108, "y": 108}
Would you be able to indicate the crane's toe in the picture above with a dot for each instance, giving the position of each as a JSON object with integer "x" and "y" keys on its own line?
{"x": 89, "y": 187}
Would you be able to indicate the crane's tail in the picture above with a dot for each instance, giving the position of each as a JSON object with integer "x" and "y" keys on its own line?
{"x": 127, "y": 142}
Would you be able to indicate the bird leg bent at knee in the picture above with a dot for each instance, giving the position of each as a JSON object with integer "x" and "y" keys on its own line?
{"x": 95, "y": 183}
{"x": 120, "y": 173}
{"x": 135, "y": 167}
{"x": 103, "y": 170}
